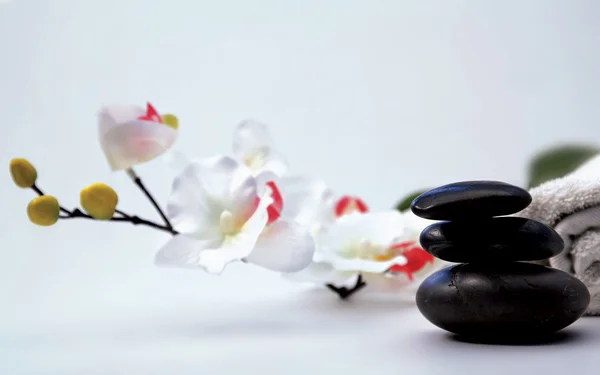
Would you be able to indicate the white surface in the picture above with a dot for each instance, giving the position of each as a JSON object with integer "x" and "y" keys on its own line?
{"x": 377, "y": 97}
{"x": 291, "y": 333}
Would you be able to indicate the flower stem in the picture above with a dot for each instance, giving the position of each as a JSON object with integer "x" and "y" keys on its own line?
{"x": 138, "y": 181}
{"x": 126, "y": 218}
{"x": 343, "y": 292}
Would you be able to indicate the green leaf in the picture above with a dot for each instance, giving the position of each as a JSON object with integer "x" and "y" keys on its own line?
{"x": 558, "y": 162}
{"x": 406, "y": 202}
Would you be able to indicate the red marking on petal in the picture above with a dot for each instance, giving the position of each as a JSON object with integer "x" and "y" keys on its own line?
{"x": 151, "y": 114}
{"x": 416, "y": 259}
{"x": 347, "y": 205}
{"x": 396, "y": 268}
{"x": 362, "y": 206}
{"x": 340, "y": 206}
{"x": 274, "y": 209}
{"x": 403, "y": 246}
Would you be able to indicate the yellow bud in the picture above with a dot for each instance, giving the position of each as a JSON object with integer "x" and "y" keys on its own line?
{"x": 99, "y": 201}
{"x": 23, "y": 173}
{"x": 43, "y": 210}
{"x": 170, "y": 120}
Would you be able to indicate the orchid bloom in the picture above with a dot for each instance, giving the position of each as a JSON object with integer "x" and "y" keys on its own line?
{"x": 382, "y": 247}
{"x": 224, "y": 214}
{"x": 252, "y": 144}
{"x": 362, "y": 242}
{"x": 131, "y": 135}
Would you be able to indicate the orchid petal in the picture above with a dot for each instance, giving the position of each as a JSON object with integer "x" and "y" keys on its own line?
{"x": 224, "y": 175}
{"x": 257, "y": 222}
{"x": 190, "y": 207}
{"x": 417, "y": 260}
{"x": 232, "y": 183}
{"x": 151, "y": 114}
{"x": 275, "y": 208}
{"x": 268, "y": 182}
{"x": 307, "y": 201}
{"x": 114, "y": 115}
{"x": 205, "y": 189}
{"x": 250, "y": 136}
{"x": 263, "y": 178}
{"x": 135, "y": 142}
{"x": 283, "y": 246}
{"x": 183, "y": 251}
{"x": 341, "y": 263}
{"x": 239, "y": 246}
{"x": 253, "y": 144}
{"x": 347, "y": 205}
{"x": 215, "y": 260}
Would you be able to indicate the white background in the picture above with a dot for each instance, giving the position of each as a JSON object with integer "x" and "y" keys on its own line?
{"x": 377, "y": 97}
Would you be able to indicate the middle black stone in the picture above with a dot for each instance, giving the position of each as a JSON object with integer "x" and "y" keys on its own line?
{"x": 491, "y": 240}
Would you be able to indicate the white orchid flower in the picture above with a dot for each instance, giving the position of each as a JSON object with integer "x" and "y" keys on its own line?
{"x": 131, "y": 135}
{"x": 382, "y": 247}
{"x": 223, "y": 214}
{"x": 362, "y": 242}
{"x": 253, "y": 145}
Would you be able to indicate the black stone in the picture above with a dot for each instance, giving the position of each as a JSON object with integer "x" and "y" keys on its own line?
{"x": 502, "y": 300}
{"x": 470, "y": 199}
{"x": 491, "y": 240}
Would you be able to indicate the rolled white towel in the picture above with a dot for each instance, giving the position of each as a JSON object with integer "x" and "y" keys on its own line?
{"x": 571, "y": 205}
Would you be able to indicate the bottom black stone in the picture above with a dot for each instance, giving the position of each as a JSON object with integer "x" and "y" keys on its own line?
{"x": 502, "y": 300}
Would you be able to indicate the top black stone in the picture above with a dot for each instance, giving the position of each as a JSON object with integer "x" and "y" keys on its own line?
{"x": 470, "y": 199}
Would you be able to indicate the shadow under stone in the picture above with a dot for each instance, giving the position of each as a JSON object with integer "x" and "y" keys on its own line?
{"x": 559, "y": 338}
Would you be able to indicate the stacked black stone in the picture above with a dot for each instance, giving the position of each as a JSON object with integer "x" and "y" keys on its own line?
{"x": 493, "y": 292}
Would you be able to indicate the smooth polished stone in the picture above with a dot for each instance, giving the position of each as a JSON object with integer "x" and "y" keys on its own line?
{"x": 491, "y": 240}
{"x": 506, "y": 299}
{"x": 470, "y": 199}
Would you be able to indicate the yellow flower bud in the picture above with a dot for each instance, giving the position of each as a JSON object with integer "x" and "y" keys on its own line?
{"x": 170, "y": 120}
{"x": 23, "y": 173}
{"x": 99, "y": 201}
{"x": 43, "y": 210}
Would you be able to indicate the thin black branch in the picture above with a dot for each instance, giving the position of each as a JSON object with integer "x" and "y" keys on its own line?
{"x": 136, "y": 220}
{"x": 358, "y": 286}
{"x": 126, "y": 218}
{"x": 340, "y": 291}
{"x": 343, "y": 292}
{"x": 138, "y": 181}
{"x": 37, "y": 190}
{"x": 122, "y": 213}
{"x": 40, "y": 193}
